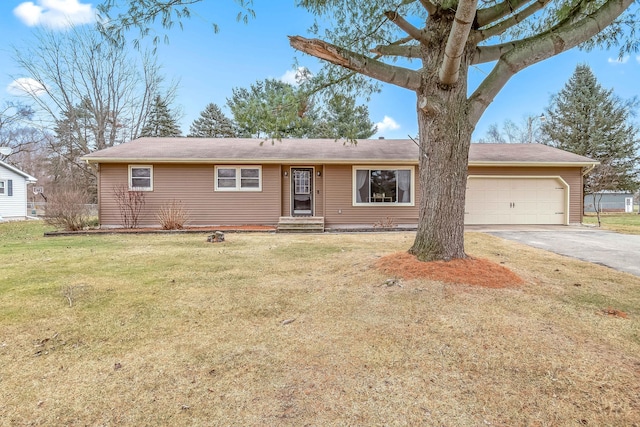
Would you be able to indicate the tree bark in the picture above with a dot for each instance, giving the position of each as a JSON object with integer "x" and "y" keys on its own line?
{"x": 444, "y": 152}
{"x": 445, "y": 135}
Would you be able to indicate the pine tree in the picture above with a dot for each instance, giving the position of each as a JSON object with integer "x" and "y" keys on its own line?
{"x": 212, "y": 123}
{"x": 160, "y": 121}
{"x": 342, "y": 119}
{"x": 586, "y": 119}
{"x": 272, "y": 109}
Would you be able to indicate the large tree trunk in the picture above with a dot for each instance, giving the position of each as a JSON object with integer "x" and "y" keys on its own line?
{"x": 445, "y": 134}
{"x": 443, "y": 178}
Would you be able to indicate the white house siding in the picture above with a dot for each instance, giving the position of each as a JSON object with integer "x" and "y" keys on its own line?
{"x": 14, "y": 206}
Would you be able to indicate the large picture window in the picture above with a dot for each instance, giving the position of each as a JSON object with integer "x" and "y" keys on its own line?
{"x": 238, "y": 178}
{"x": 140, "y": 178}
{"x": 383, "y": 186}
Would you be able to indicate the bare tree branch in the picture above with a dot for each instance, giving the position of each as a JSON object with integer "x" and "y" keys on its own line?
{"x": 409, "y": 51}
{"x": 484, "y": 54}
{"x": 429, "y": 6}
{"x": 495, "y": 13}
{"x": 405, "y": 26}
{"x": 515, "y": 19}
{"x": 448, "y": 72}
{"x": 370, "y": 67}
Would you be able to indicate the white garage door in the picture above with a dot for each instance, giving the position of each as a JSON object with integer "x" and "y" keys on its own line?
{"x": 513, "y": 200}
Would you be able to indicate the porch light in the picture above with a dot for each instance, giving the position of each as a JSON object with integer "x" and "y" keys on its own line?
{"x": 319, "y": 173}
{"x": 286, "y": 173}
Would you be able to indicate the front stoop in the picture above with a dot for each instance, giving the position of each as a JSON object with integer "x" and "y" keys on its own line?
{"x": 301, "y": 224}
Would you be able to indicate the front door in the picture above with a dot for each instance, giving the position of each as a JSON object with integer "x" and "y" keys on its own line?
{"x": 302, "y": 191}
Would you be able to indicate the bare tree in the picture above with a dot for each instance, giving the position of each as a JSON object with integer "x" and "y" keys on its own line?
{"x": 527, "y": 131}
{"x": 91, "y": 93}
{"x": 604, "y": 177}
{"x": 15, "y": 132}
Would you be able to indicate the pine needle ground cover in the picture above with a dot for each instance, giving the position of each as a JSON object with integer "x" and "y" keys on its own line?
{"x": 273, "y": 329}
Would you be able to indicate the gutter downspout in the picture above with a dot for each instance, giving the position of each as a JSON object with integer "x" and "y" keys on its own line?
{"x": 589, "y": 169}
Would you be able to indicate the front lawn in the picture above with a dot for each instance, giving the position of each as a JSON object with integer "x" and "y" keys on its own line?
{"x": 628, "y": 223}
{"x": 273, "y": 329}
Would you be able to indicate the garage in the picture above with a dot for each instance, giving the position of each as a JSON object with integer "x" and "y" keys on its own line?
{"x": 516, "y": 200}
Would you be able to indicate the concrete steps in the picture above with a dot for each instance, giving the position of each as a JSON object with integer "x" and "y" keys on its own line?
{"x": 301, "y": 224}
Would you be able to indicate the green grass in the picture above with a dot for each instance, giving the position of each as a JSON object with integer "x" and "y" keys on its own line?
{"x": 628, "y": 223}
{"x": 273, "y": 329}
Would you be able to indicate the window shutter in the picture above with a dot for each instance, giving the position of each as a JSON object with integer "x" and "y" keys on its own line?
{"x": 10, "y": 187}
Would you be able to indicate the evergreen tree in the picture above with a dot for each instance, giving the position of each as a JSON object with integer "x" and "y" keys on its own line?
{"x": 342, "y": 119}
{"x": 586, "y": 119}
{"x": 271, "y": 109}
{"x": 212, "y": 123}
{"x": 160, "y": 121}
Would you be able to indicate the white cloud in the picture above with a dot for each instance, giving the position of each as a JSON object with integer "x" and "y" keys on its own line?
{"x": 295, "y": 77}
{"x": 25, "y": 85}
{"x": 387, "y": 124}
{"x": 622, "y": 60}
{"x": 55, "y": 13}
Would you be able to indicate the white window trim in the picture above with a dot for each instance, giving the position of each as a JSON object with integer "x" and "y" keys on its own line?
{"x": 4, "y": 193}
{"x": 238, "y": 187}
{"x": 354, "y": 190}
{"x": 150, "y": 188}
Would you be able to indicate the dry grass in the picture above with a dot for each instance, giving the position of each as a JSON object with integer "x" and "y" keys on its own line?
{"x": 270, "y": 329}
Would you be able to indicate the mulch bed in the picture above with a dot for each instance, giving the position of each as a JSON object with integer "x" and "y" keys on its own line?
{"x": 470, "y": 271}
{"x": 208, "y": 229}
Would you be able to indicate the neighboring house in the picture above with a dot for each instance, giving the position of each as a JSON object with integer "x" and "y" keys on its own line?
{"x": 13, "y": 192}
{"x": 247, "y": 181}
{"x": 609, "y": 201}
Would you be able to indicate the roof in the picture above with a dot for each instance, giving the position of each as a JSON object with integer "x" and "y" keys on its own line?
{"x": 326, "y": 151}
{"x": 18, "y": 171}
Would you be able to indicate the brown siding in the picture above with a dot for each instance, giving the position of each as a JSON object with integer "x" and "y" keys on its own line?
{"x": 339, "y": 210}
{"x": 573, "y": 177}
{"x": 193, "y": 185}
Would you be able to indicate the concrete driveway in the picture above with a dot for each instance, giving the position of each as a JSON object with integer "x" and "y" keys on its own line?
{"x": 618, "y": 251}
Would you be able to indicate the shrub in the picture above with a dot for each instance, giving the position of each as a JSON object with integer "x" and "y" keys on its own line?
{"x": 173, "y": 216}
{"x": 67, "y": 209}
{"x": 130, "y": 204}
{"x": 385, "y": 223}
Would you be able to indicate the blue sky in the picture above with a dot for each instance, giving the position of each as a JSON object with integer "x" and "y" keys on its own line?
{"x": 209, "y": 65}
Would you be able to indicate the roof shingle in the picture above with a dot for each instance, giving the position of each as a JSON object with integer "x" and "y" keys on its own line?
{"x": 238, "y": 150}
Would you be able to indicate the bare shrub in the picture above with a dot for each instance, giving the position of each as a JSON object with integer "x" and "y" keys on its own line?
{"x": 173, "y": 216}
{"x": 67, "y": 209}
{"x": 385, "y": 223}
{"x": 130, "y": 204}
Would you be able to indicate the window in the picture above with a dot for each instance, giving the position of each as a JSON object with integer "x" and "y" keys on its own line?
{"x": 141, "y": 178}
{"x": 3, "y": 188}
{"x": 238, "y": 178}
{"x": 302, "y": 181}
{"x": 383, "y": 186}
